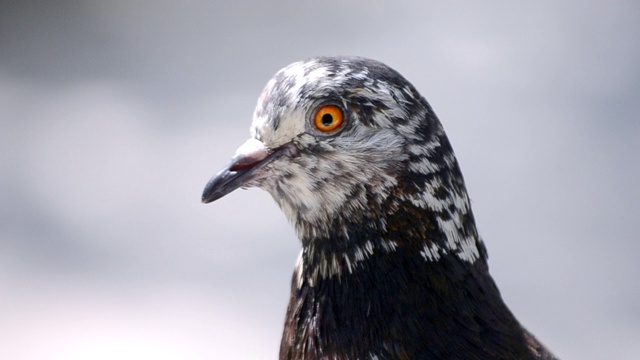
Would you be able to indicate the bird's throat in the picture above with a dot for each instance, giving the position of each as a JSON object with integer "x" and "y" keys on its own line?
{"x": 370, "y": 271}
{"x": 407, "y": 296}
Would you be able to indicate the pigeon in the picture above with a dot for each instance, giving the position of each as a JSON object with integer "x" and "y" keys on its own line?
{"x": 392, "y": 266}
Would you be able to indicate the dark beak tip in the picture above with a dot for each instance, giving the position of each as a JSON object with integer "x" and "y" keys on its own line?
{"x": 209, "y": 198}
{"x": 209, "y": 194}
{"x": 222, "y": 184}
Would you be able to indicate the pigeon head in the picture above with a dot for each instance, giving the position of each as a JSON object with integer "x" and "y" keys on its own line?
{"x": 356, "y": 158}
{"x": 392, "y": 266}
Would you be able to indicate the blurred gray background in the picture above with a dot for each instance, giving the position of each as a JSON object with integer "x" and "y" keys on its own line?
{"x": 114, "y": 114}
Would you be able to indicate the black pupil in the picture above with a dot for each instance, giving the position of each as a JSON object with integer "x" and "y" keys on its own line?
{"x": 327, "y": 119}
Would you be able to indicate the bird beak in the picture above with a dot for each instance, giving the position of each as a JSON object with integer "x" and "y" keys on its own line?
{"x": 244, "y": 167}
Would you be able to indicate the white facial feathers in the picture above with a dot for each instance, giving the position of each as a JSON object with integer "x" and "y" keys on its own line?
{"x": 389, "y": 135}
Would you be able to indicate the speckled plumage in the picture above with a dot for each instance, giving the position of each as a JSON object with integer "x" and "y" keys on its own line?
{"x": 392, "y": 265}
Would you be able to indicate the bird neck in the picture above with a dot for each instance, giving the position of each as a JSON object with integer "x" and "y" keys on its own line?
{"x": 367, "y": 287}
{"x": 448, "y": 309}
{"x": 397, "y": 226}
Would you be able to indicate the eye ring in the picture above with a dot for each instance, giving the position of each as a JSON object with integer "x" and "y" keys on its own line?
{"x": 328, "y": 118}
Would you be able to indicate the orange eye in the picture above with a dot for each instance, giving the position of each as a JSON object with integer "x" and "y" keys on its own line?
{"x": 328, "y": 118}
